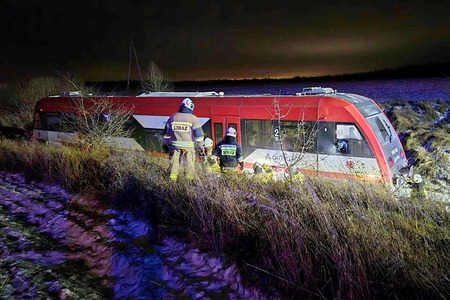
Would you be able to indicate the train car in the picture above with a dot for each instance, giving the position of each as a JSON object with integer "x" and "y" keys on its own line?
{"x": 318, "y": 131}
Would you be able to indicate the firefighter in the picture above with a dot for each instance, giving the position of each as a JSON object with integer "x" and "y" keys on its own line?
{"x": 262, "y": 172}
{"x": 182, "y": 133}
{"x": 419, "y": 186}
{"x": 209, "y": 162}
{"x": 229, "y": 153}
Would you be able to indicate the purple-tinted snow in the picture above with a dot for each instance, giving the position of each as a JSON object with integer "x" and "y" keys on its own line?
{"x": 106, "y": 240}
{"x": 424, "y": 89}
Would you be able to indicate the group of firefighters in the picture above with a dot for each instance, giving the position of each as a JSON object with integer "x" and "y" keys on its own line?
{"x": 184, "y": 135}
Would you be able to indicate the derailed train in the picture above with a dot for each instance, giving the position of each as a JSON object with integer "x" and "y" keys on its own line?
{"x": 317, "y": 131}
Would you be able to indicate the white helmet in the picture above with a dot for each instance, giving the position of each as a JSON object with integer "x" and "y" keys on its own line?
{"x": 187, "y": 103}
{"x": 417, "y": 178}
{"x": 231, "y": 132}
{"x": 208, "y": 143}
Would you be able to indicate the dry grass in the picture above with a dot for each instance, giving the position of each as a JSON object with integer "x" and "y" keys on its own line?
{"x": 74, "y": 168}
{"x": 317, "y": 239}
{"x": 425, "y": 131}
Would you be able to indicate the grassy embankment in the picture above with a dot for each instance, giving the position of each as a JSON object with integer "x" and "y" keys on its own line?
{"x": 317, "y": 239}
{"x": 424, "y": 128}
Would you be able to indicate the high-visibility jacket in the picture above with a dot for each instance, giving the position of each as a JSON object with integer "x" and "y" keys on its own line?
{"x": 229, "y": 153}
{"x": 183, "y": 129}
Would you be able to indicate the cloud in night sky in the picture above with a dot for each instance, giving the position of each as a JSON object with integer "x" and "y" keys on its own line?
{"x": 199, "y": 40}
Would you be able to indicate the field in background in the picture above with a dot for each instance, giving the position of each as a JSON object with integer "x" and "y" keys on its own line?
{"x": 424, "y": 89}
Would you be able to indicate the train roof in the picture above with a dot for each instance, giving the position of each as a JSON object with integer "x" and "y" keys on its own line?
{"x": 314, "y": 96}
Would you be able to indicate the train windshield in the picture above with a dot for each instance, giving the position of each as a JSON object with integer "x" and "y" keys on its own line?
{"x": 381, "y": 128}
{"x": 389, "y": 141}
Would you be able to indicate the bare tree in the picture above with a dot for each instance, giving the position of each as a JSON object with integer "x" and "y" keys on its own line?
{"x": 156, "y": 80}
{"x": 295, "y": 140}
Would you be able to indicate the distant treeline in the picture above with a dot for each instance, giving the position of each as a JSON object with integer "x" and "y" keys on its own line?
{"x": 430, "y": 70}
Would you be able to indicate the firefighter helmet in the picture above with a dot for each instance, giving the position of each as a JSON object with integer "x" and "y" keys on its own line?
{"x": 188, "y": 103}
{"x": 231, "y": 132}
{"x": 208, "y": 143}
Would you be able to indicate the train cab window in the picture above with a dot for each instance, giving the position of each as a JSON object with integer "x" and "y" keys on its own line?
{"x": 218, "y": 132}
{"x": 347, "y": 131}
{"x": 349, "y": 141}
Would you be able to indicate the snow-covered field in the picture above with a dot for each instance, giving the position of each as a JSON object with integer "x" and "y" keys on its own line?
{"x": 54, "y": 244}
{"x": 421, "y": 89}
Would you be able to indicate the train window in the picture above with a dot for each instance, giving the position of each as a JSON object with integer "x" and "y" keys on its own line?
{"x": 207, "y": 130}
{"x": 37, "y": 121}
{"x": 258, "y": 133}
{"x": 379, "y": 129}
{"x": 155, "y": 140}
{"x": 298, "y": 136}
{"x": 326, "y": 139}
{"x": 251, "y": 132}
{"x": 218, "y": 132}
{"x": 104, "y": 117}
{"x": 266, "y": 136}
{"x": 54, "y": 122}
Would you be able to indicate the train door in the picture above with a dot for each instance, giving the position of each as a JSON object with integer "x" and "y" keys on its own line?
{"x": 220, "y": 125}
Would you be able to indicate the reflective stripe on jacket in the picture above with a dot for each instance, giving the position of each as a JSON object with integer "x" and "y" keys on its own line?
{"x": 229, "y": 153}
{"x": 183, "y": 129}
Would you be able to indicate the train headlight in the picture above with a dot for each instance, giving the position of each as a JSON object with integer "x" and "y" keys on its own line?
{"x": 391, "y": 162}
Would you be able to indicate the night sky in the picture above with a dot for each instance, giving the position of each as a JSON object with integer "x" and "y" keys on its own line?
{"x": 201, "y": 40}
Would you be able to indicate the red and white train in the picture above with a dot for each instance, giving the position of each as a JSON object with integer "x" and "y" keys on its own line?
{"x": 317, "y": 131}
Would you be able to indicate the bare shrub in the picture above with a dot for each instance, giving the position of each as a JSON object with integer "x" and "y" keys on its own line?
{"x": 98, "y": 120}
{"x": 29, "y": 92}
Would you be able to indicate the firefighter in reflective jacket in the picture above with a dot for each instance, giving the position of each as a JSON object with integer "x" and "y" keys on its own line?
{"x": 209, "y": 162}
{"x": 182, "y": 133}
{"x": 229, "y": 153}
{"x": 263, "y": 173}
